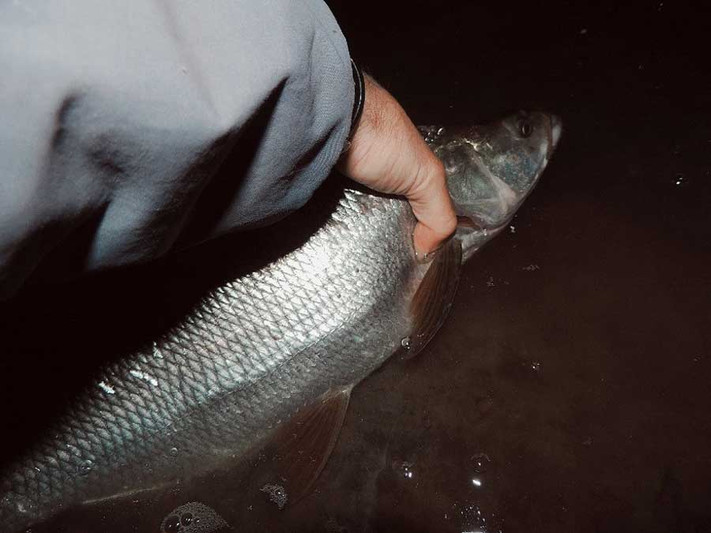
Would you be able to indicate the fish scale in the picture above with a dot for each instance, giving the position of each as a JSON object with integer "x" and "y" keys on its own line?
{"x": 252, "y": 352}
{"x": 294, "y": 295}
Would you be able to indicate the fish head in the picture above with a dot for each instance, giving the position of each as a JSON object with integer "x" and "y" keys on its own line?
{"x": 491, "y": 169}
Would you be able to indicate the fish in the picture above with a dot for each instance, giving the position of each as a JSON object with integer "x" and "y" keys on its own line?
{"x": 272, "y": 355}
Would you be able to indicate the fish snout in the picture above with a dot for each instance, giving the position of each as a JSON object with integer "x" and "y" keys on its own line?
{"x": 556, "y": 125}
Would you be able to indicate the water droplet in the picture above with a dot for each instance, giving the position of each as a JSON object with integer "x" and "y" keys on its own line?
{"x": 172, "y": 524}
{"x": 193, "y": 513}
{"x": 173, "y": 451}
{"x": 476, "y": 482}
{"x": 406, "y": 342}
{"x": 481, "y": 463}
{"x": 404, "y": 468}
{"x": 512, "y": 229}
{"x": 85, "y": 468}
{"x": 535, "y": 366}
{"x": 276, "y": 494}
{"x": 680, "y": 180}
{"x": 473, "y": 518}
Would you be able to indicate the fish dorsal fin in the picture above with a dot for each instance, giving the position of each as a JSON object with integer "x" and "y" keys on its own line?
{"x": 297, "y": 453}
{"x": 434, "y": 296}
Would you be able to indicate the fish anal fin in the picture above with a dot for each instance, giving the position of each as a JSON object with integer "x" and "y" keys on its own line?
{"x": 297, "y": 453}
{"x": 433, "y": 298}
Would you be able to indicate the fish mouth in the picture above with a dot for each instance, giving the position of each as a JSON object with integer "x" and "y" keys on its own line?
{"x": 473, "y": 233}
{"x": 469, "y": 222}
{"x": 472, "y": 223}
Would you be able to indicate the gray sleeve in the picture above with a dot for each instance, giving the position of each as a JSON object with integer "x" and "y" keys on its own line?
{"x": 138, "y": 123}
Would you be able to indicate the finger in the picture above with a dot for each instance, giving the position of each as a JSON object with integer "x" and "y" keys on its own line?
{"x": 432, "y": 207}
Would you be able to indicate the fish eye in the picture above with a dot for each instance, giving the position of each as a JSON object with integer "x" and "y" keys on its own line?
{"x": 524, "y": 128}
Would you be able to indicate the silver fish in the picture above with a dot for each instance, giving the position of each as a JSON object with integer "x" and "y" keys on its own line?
{"x": 285, "y": 342}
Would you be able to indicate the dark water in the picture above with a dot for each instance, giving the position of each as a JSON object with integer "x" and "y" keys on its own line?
{"x": 570, "y": 390}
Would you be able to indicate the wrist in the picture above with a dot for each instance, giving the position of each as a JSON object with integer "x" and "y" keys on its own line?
{"x": 358, "y": 99}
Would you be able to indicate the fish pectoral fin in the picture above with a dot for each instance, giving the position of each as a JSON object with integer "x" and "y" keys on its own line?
{"x": 434, "y": 296}
{"x": 296, "y": 455}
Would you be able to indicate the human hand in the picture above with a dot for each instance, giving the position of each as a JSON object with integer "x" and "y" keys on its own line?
{"x": 387, "y": 154}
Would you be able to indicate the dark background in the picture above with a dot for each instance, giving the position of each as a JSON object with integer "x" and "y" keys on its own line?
{"x": 572, "y": 379}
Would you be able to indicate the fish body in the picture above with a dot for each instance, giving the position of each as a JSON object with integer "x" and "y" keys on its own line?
{"x": 258, "y": 349}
